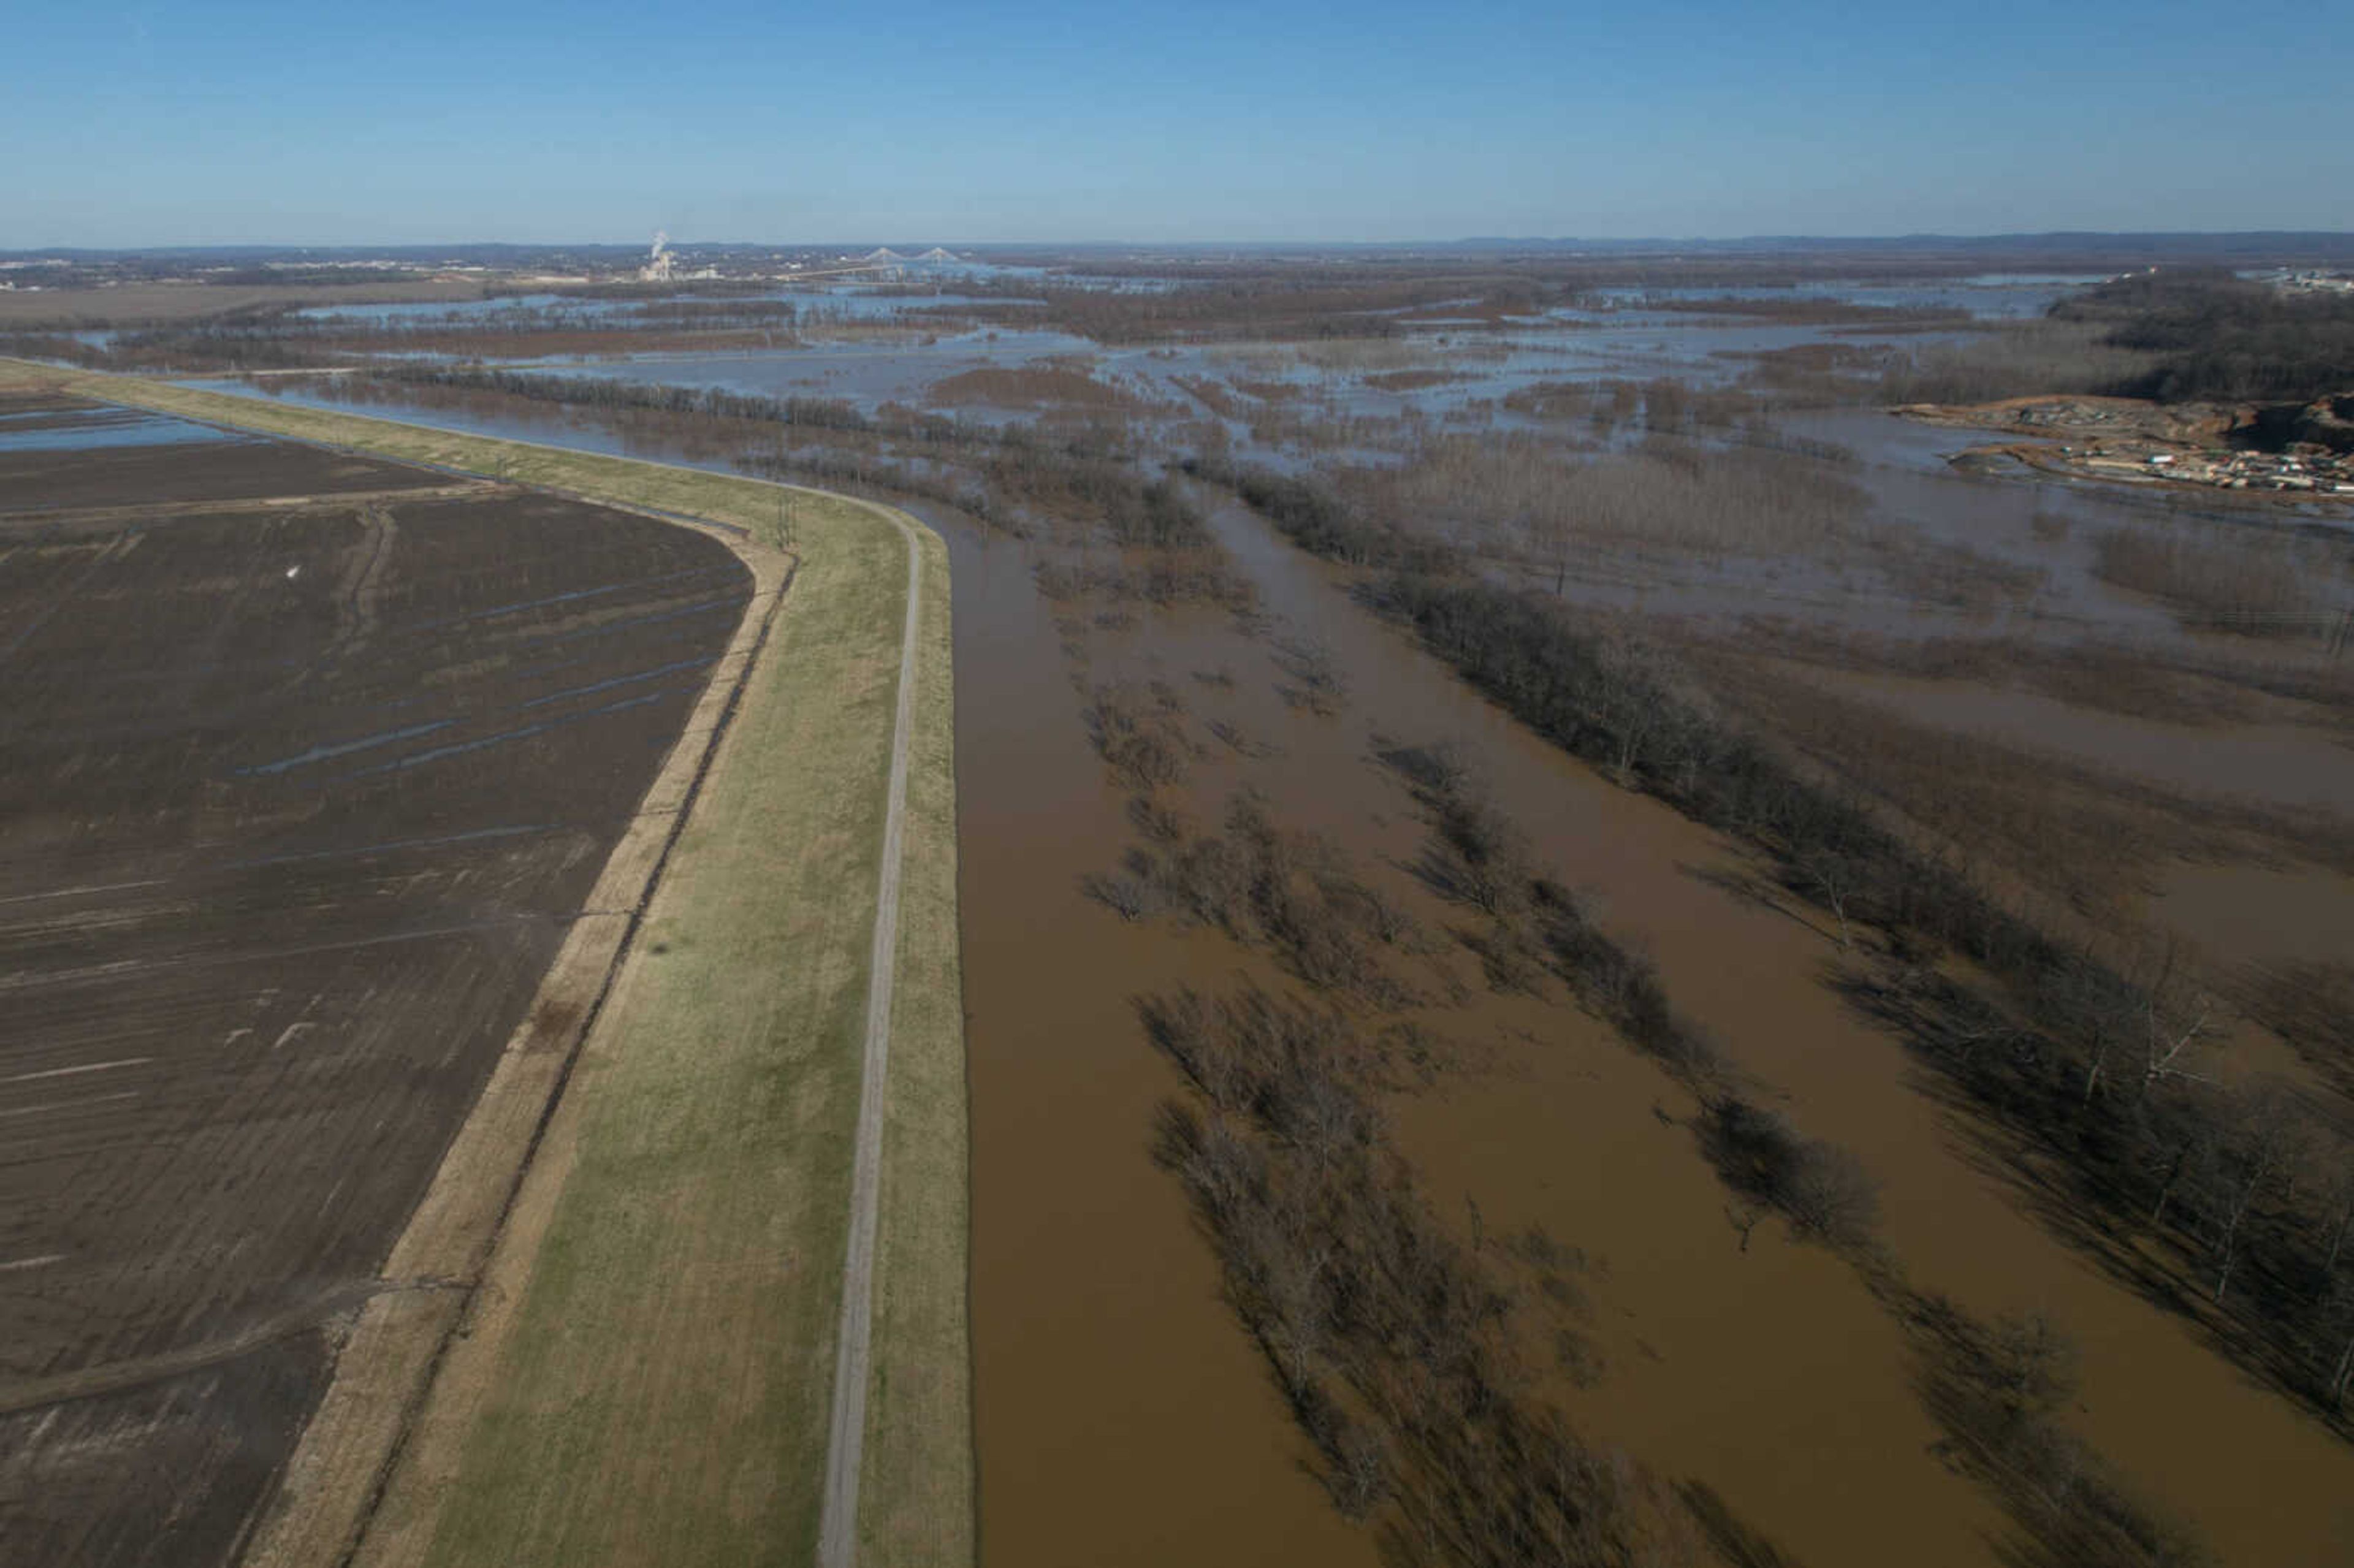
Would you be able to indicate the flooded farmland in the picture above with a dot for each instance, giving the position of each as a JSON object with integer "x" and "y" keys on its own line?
{"x": 1122, "y": 1414}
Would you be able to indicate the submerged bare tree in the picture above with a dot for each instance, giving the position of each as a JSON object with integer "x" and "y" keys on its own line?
{"x": 1392, "y": 1340}
{"x": 2177, "y": 1015}
{"x": 2261, "y": 1143}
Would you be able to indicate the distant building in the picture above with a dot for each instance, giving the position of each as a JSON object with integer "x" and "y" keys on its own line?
{"x": 657, "y": 267}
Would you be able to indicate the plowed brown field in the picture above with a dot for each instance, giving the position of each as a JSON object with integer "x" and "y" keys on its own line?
{"x": 301, "y": 779}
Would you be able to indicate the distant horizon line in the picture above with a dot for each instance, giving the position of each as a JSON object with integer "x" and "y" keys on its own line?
{"x": 2049, "y": 237}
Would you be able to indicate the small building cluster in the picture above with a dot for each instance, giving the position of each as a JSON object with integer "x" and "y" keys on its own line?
{"x": 2317, "y": 470}
{"x": 2300, "y": 282}
{"x": 2314, "y": 470}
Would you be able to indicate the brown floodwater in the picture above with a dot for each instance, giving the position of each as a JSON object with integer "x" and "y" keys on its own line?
{"x": 2249, "y": 914}
{"x": 2265, "y": 1481}
{"x": 2298, "y": 766}
{"x": 2259, "y": 914}
{"x": 1122, "y": 1415}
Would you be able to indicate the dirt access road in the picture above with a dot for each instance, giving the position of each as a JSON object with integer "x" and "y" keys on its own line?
{"x": 853, "y": 1370}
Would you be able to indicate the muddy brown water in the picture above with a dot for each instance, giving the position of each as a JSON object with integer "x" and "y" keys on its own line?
{"x": 1121, "y": 1415}
{"x": 2265, "y": 1481}
{"x": 2263, "y": 915}
{"x": 2297, "y": 766}
{"x": 2241, "y": 913}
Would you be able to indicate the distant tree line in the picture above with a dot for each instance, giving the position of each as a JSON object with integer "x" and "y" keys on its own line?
{"x": 2223, "y": 337}
{"x": 1007, "y": 476}
{"x": 610, "y": 392}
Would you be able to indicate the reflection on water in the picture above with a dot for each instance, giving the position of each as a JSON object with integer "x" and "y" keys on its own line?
{"x": 45, "y": 431}
{"x": 834, "y": 301}
{"x": 869, "y": 375}
{"x": 2277, "y": 765}
{"x": 1994, "y": 296}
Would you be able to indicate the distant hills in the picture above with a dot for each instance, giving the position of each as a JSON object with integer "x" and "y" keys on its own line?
{"x": 2056, "y": 248}
{"x": 2179, "y": 246}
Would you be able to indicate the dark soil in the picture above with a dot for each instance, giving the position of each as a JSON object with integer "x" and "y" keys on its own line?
{"x": 295, "y": 806}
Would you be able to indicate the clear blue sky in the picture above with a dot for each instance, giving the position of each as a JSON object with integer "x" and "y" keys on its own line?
{"x": 266, "y": 121}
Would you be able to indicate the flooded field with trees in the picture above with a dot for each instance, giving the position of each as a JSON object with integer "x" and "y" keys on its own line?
{"x": 1578, "y": 944}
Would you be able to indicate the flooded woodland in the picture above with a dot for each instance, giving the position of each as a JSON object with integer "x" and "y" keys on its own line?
{"x": 1575, "y": 942}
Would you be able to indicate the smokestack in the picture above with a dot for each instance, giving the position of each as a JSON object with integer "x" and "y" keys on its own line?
{"x": 657, "y": 267}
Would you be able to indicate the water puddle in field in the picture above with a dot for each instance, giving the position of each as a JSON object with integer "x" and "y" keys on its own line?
{"x": 344, "y": 749}
{"x": 77, "y": 429}
{"x": 576, "y": 595}
{"x": 392, "y": 737}
{"x": 390, "y": 846}
{"x": 660, "y": 669}
{"x": 606, "y": 628}
{"x": 521, "y": 732}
